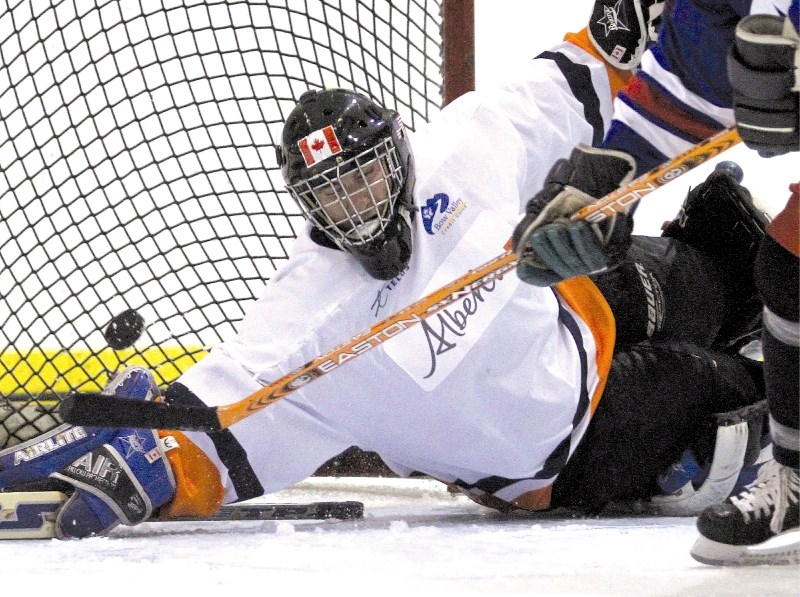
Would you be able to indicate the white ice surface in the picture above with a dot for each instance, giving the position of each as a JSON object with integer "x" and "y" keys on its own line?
{"x": 415, "y": 539}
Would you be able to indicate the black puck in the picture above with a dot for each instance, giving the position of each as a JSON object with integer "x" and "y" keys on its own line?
{"x": 124, "y": 329}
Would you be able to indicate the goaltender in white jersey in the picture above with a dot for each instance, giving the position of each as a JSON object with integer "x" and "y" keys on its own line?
{"x": 493, "y": 394}
{"x": 495, "y": 386}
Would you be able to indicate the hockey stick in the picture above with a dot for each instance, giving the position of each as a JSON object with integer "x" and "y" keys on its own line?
{"x": 31, "y": 514}
{"x": 625, "y": 197}
{"x": 345, "y": 510}
{"x": 107, "y": 411}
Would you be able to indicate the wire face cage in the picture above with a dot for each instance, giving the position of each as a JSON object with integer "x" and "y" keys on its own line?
{"x": 138, "y": 173}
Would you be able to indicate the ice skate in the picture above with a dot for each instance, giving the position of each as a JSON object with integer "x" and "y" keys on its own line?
{"x": 760, "y": 526}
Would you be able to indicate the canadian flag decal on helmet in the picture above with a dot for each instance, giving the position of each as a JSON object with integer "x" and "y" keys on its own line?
{"x": 319, "y": 145}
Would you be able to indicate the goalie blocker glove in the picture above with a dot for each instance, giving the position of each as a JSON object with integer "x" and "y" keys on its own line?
{"x": 763, "y": 65}
{"x": 719, "y": 218}
{"x": 550, "y": 246}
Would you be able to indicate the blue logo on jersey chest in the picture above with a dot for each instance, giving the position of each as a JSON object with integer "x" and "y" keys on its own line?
{"x": 439, "y": 212}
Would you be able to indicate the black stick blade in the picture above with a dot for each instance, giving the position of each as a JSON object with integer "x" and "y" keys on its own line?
{"x": 99, "y": 410}
{"x": 348, "y": 510}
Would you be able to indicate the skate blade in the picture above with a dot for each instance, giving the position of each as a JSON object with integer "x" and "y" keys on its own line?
{"x": 783, "y": 549}
{"x": 786, "y": 546}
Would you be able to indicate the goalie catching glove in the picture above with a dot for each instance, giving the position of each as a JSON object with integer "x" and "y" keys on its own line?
{"x": 116, "y": 475}
{"x": 549, "y": 245}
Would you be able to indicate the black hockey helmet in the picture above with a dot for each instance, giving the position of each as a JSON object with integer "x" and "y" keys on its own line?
{"x": 348, "y": 164}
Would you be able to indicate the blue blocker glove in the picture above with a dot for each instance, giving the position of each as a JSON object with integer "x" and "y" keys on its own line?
{"x": 549, "y": 245}
{"x": 118, "y": 475}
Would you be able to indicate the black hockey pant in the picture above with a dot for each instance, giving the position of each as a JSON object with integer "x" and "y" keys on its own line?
{"x": 669, "y": 302}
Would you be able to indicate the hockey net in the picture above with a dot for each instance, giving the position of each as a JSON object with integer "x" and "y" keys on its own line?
{"x": 138, "y": 171}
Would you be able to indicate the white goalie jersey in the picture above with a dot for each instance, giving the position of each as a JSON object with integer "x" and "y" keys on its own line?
{"x": 492, "y": 393}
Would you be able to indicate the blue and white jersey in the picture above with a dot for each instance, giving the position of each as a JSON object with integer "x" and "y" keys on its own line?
{"x": 681, "y": 94}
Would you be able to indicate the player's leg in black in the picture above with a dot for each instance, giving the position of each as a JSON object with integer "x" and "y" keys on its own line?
{"x": 666, "y": 290}
{"x": 761, "y": 525}
{"x": 660, "y": 399}
{"x": 694, "y": 283}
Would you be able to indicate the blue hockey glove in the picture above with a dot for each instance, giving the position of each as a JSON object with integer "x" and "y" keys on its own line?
{"x": 119, "y": 475}
{"x": 549, "y": 245}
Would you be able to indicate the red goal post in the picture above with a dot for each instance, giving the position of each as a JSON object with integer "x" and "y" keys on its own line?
{"x": 137, "y": 166}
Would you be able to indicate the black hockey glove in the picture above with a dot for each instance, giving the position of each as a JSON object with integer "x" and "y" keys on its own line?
{"x": 549, "y": 245}
{"x": 621, "y": 30}
{"x": 762, "y": 67}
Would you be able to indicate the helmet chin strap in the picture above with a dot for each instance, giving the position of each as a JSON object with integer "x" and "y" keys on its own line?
{"x": 361, "y": 230}
{"x": 387, "y": 256}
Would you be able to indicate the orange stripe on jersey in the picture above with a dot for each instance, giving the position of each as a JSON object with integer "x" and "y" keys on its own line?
{"x": 536, "y": 500}
{"x": 616, "y": 77}
{"x": 784, "y": 228}
{"x": 533, "y": 501}
{"x": 586, "y": 300}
